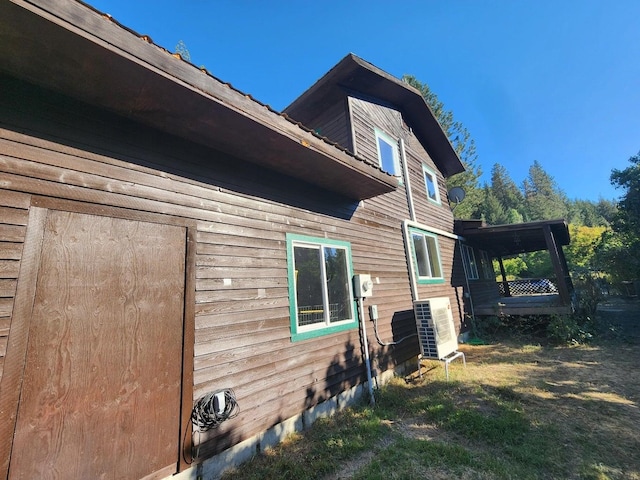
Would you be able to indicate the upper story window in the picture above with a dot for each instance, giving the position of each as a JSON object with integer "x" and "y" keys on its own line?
{"x": 470, "y": 265}
{"x": 426, "y": 256}
{"x": 320, "y": 292}
{"x": 388, "y": 155}
{"x": 431, "y": 184}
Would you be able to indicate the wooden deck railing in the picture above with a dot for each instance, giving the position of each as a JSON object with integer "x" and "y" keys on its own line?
{"x": 527, "y": 286}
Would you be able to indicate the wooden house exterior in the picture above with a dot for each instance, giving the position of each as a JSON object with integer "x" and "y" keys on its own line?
{"x": 155, "y": 223}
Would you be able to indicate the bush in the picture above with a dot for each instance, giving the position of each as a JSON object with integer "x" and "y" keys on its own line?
{"x": 570, "y": 329}
{"x": 559, "y": 329}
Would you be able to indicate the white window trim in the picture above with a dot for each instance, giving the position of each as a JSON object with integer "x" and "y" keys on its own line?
{"x": 470, "y": 267}
{"x": 487, "y": 266}
{"x": 380, "y": 134}
{"x": 428, "y": 171}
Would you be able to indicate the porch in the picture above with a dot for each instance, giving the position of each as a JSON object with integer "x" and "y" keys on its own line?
{"x": 529, "y": 304}
{"x": 526, "y": 296}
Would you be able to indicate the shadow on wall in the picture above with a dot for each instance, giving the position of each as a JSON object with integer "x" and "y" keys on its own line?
{"x": 171, "y": 154}
{"x": 401, "y": 347}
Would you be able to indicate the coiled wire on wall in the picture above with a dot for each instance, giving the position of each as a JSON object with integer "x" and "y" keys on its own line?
{"x": 214, "y": 408}
{"x": 209, "y": 412}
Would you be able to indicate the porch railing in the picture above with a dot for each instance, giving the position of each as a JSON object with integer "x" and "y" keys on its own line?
{"x": 527, "y": 286}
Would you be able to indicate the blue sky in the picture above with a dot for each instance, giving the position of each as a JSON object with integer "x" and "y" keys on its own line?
{"x": 553, "y": 81}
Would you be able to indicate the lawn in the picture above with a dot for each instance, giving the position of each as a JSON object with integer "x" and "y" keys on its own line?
{"x": 519, "y": 410}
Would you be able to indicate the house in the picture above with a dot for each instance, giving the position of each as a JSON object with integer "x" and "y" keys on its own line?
{"x": 164, "y": 236}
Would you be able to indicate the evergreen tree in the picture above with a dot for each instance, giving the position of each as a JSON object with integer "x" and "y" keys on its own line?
{"x": 618, "y": 250}
{"x": 463, "y": 144}
{"x": 543, "y": 199}
{"x": 491, "y": 210}
{"x": 507, "y": 193}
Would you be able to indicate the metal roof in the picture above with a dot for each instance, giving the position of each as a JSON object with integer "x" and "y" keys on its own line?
{"x": 71, "y": 48}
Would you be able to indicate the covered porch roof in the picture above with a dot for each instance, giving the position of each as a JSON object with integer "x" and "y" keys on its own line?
{"x": 508, "y": 240}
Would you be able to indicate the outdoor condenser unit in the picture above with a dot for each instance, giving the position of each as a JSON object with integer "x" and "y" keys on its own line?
{"x": 436, "y": 332}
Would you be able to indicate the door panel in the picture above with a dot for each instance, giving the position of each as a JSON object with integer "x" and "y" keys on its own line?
{"x": 102, "y": 384}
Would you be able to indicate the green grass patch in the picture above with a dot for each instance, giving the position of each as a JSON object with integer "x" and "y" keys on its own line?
{"x": 516, "y": 412}
{"x": 318, "y": 451}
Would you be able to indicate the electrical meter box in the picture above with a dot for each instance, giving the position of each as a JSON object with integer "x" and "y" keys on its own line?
{"x": 362, "y": 285}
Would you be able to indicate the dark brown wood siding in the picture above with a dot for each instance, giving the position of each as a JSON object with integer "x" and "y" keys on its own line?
{"x": 333, "y": 123}
{"x": 51, "y": 146}
{"x": 366, "y": 116}
{"x": 13, "y": 220}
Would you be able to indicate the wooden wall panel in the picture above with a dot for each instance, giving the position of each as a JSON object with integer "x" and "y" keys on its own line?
{"x": 67, "y": 150}
{"x": 13, "y": 220}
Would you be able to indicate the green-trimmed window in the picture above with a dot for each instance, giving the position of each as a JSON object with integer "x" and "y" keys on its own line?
{"x": 426, "y": 256}
{"x": 320, "y": 292}
{"x": 431, "y": 184}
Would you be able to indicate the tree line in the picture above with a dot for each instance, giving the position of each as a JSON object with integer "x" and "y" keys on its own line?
{"x": 605, "y": 234}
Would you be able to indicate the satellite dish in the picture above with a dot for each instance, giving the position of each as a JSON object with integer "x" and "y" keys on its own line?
{"x": 457, "y": 194}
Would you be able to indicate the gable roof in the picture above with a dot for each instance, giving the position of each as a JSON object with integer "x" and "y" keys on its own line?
{"x": 69, "y": 47}
{"x": 353, "y": 73}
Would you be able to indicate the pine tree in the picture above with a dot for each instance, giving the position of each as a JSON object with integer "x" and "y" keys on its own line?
{"x": 463, "y": 144}
{"x": 507, "y": 193}
{"x": 543, "y": 199}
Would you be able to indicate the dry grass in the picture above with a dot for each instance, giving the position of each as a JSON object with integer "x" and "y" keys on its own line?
{"x": 518, "y": 410}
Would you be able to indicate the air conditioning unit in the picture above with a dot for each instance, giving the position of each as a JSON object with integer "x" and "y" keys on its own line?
{"x": 436, "y": 331}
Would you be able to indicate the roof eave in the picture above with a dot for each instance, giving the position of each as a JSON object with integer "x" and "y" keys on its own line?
{"x": 70, "y": 48}
{"x": 354, "y": 73}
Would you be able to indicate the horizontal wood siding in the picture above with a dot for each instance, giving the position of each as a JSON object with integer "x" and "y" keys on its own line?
{"x": 333, "y": 123}
{"x": 427, "y": 212}
{"x": 59, "y": 148}
{"x": 366, "y": 116}
{"x": 13, "y": 221}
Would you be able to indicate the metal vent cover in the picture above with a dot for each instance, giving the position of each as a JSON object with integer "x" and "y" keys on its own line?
{"x": 436, "y": 332}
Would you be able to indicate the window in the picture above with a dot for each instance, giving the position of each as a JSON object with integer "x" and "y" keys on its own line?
{"x": 320, "y": 294}
{"x": 426, "y": 257}
{"x": 469, "y": 259}
{"x": 487, "y": 266}
{"x": 388, "y": 153}
{"x": 431, "y": 184}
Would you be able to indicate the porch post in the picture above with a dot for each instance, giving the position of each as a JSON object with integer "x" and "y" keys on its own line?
{"x": 505, "y": 283}
{"x": 556, "y": 260}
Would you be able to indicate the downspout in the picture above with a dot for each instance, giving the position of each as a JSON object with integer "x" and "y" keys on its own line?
{"x": 407, "y": 183}
{"x": 412, "y": 216}
{"x": 412, "y": 273}
{"x": 367, "y": 360}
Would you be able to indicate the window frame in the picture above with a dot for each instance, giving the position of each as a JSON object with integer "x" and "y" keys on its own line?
{"x": 428, "y": 172}
{"x": 470, "y": 263}
{"x": 395, "y": 152}
{"x": 487, "y": 266}
{"x": 304, "y": 332}
{"x": 422, "y": 279}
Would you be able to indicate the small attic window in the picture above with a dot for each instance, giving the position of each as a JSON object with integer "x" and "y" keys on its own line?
{"x": 388, "y": 156}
